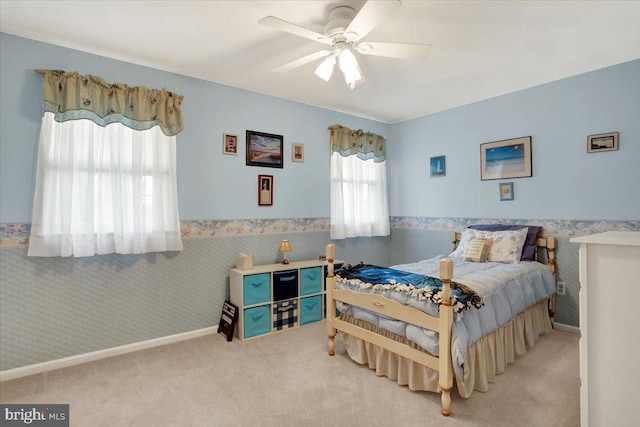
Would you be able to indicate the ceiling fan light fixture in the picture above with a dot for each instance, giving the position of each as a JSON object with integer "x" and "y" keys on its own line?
{"x": 343, "y": 33}
{"x": 349, "y": 66}
{"x": 347, "y": 60}
{"x": 325, "y": 69}
{"x": 351, "y": 77}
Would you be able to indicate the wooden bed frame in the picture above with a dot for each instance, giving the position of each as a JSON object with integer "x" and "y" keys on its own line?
{"x": 387, "y": 307}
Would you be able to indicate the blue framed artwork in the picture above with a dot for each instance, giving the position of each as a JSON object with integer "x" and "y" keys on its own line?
{"x": 506, "y": 191}
{"x": 438, "y": 167}
{"x": 510, "y": 158}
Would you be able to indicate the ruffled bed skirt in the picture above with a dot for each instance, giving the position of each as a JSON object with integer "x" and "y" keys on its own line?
{"x": 485, "y": 358}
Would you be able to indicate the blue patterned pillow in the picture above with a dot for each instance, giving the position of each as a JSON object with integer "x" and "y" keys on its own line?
{"x": 507, "y": 245}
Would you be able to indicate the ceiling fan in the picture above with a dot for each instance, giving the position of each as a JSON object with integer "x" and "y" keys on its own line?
{"x": 344, "y": 34}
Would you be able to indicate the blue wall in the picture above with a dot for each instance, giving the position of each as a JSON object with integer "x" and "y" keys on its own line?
{"x": 53, "y": 308}
{"x": 210, "y": 184}
{"x": 567, "y": 182}
{"x": 571, "y": 191}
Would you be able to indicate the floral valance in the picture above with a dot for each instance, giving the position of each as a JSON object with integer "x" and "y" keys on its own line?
{"x": 71, "y": 96}
{"x": 365, "y": 145}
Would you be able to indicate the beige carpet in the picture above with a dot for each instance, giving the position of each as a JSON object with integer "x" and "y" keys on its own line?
{"x": 289, "y": 380}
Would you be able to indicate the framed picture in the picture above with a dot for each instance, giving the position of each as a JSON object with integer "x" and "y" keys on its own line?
{"x": 510, "y": 158}
{"x": 230, "y": 144}
{"x": 438, "y": 167}
{"x": 506, "y": 191}
{"x": 297, "y": 152}
{"x": 265, "y": 190}
{"x": 602, "y": 142}
{"x": 264, "y": 149}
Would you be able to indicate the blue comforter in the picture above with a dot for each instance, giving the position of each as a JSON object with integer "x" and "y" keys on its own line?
{"x": 506, "y": 291}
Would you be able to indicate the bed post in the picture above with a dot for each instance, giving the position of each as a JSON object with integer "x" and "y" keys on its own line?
{"x": 331, "y": 303}
{"x": 551, "y": 250}
{"x": 455, "y": 239}
{"x": 445, "y": 367}
{"x": 551, "y": 247}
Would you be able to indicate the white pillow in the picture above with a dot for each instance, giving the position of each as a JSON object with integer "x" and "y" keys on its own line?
{"x": 467, "y": 235}
{"x": 507, "y": 245}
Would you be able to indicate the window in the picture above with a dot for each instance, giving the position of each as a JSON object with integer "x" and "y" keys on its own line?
{"x": 359, "y": 204}
{"x": 103, "y": 188}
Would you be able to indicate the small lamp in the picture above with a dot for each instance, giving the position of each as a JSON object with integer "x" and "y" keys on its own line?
{"x": 284, "y": 248}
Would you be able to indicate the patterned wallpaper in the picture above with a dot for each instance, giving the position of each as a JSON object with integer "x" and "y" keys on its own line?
{"x": 58, "y": 307}
{"x": 17, "y": 234}
{"x": 53, "y": 307}
{"x": 551, "y": 227}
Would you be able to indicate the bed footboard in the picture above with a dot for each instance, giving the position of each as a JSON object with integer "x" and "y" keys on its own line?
{"x": 384, "y": 306}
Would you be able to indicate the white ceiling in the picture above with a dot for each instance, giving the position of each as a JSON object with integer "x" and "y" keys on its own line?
{"x": 481, "y": 49}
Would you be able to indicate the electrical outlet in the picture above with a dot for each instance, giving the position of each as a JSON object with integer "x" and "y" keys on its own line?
{"x": 561, "y": 288}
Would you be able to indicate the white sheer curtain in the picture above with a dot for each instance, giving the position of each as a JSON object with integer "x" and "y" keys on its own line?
{"x": 359, "y": 205}
{"x": 104, "y": 190}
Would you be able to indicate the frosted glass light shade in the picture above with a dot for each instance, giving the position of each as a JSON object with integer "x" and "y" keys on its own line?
{"x": 325, "y": 69}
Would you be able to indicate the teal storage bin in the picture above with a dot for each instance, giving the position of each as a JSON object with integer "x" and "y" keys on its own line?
{"x": 310, "y": 280}
{"x": 310, "y": 310}
{"x": 256, "y": 289}
{"x": 257, "y": 321}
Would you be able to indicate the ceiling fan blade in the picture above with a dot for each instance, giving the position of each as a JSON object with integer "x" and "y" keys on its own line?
{"x": 395, "y": 50}
{"x": 301, "y": 61}
{"x": 282, "y": 25}
{"x": 371, "y": 14}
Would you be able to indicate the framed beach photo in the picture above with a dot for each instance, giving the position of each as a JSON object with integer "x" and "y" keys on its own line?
{"x": 264, "y": 149}
{"x": 510, "y": 158}
{"x": 506, "y": 191}
{"x": 265, "y": 190}
{"x": 230, "y": 144}
{"x": 602, "y": 142}
{"x": 437, "y": 166}
{"x": 297, "y": 152}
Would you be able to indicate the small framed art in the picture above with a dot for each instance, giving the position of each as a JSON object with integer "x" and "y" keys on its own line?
{"x": 510, "y": 158}
{"x": 230, "y": 144}
{"x": 506, "y": 191}
{"x": 297, "y": 152}
{"x": 264, "y": 149}
{"x": 602, "y": 142}
{"x": 437, "y": 166}
{"x": 265, "y": 190}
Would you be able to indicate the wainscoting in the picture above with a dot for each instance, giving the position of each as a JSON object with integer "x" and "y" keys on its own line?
{"x": 56, "y": 308}
{"x": 53, "y": 308}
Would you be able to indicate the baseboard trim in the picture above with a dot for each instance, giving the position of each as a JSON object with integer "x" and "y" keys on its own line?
{"x": 566, "y": 328}
{"x": 23, "y": 371}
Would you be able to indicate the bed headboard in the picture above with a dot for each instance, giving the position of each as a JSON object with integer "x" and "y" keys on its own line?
{"x": 547, "y": 243}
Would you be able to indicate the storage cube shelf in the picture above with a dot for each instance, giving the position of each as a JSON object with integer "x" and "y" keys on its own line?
{"x": 277, "y": 297}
